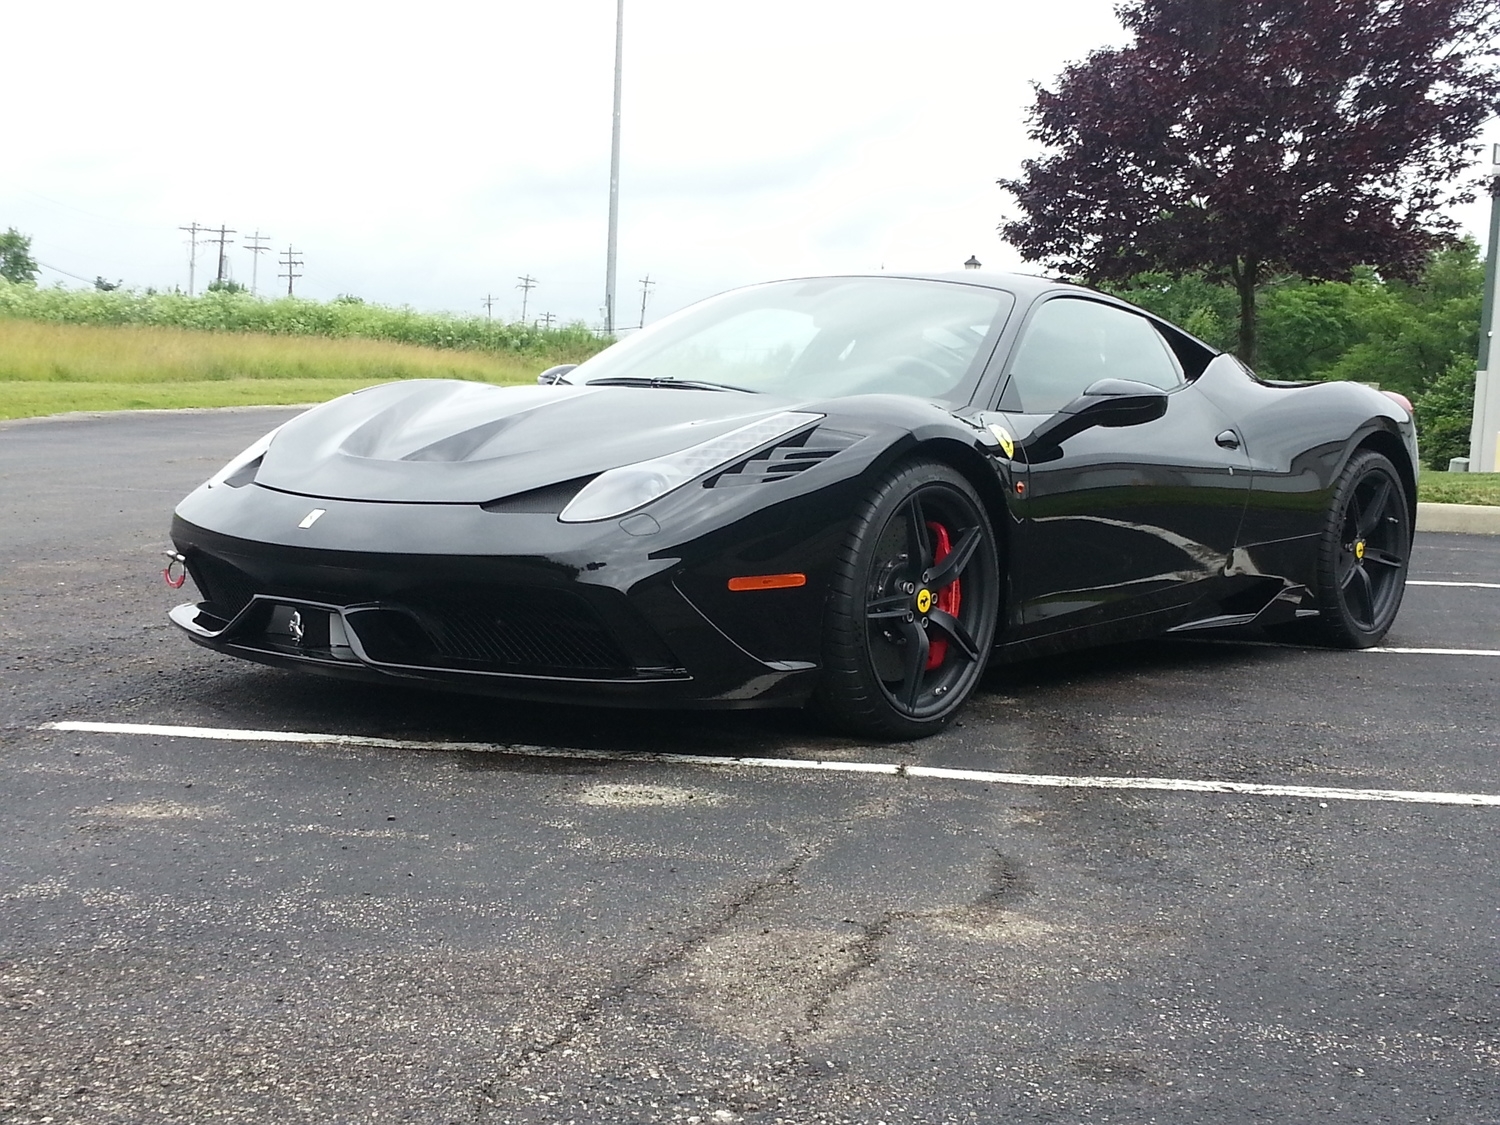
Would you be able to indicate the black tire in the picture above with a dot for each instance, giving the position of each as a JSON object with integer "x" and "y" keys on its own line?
{"x": 1363, "y": 554}
{"x": 896, "y": 596}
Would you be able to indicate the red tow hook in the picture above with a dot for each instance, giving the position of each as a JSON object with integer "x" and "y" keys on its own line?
{"x": 178, "y": 564}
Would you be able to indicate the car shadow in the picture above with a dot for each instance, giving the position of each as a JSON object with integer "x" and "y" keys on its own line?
{"x": 265, "y": 697}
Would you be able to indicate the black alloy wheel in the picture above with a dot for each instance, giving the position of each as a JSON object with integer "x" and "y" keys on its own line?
{"x": 912, "y": 607}
{"x": 1363, "y": 553}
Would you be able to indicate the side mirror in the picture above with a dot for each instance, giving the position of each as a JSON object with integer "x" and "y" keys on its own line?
{"x": 555, "y": 374}
{"x": 1109, "y": 403}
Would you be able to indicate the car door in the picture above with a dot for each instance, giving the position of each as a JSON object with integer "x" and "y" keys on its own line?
{"x": 1125, "y": 520}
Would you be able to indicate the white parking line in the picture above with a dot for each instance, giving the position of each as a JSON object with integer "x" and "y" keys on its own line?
{"x": 1236, "y": 642}
{"x": 890, "y": 769}
{"x": 1434, "y": 651}
{"x": 1466, "y": 585}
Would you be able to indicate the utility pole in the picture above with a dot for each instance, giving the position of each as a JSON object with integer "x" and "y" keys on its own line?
{"x": 528, "y": 283}
{"x": 489, "y": 304}
{"x": 614, "y": 178}
{"x": 192, "y": 230}
{"x": 547, "y": 320}
{"x": 223, "y": 240}
{"x": 291, "y": 262}
{"x": 646, "y": 284}
{"x": 1484, "y": 431}
{"x": 257, "y": 244}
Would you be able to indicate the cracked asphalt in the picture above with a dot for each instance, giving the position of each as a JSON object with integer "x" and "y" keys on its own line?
{"x": 242, "y": 931}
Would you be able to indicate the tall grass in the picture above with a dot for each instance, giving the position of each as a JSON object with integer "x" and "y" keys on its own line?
{"x": 47, "y": 368}
{"x": 342, "y": 318}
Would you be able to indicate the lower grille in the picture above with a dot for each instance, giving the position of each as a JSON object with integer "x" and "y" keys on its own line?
{"x": 532, "y": 629}
{"x": 226, "y": 587}
{"x": 524, "y": 630}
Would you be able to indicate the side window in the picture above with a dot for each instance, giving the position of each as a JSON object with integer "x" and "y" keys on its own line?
{"x": 1072, "y": 343}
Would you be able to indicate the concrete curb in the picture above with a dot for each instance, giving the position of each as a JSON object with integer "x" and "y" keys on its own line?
{"x": 1466, "y": 519}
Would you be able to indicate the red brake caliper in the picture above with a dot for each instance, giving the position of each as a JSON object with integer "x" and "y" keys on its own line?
{"x": 948, "y": 599}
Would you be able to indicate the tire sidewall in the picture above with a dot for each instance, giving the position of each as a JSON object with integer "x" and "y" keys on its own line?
{"x": 851, "y": 693}
{"x": 1337, "y": 624}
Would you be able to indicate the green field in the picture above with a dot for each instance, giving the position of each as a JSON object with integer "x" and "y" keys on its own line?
{"x": 51, "y": 368}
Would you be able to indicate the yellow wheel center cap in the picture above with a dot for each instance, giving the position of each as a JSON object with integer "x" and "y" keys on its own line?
{"x": 924, "y": 600}
{"x": 1359, "y": 549}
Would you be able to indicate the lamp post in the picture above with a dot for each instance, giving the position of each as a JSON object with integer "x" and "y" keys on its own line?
{"x": 1484, "y": 433}
{"x": 972, "y": 264}
{"x": 614, "y": 178}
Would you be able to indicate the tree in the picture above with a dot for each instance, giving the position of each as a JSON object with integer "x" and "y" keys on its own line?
{"x": 16, "y": 263}
{"x": 1254, "y": 138}
{"x": 1444, "y": 412}
{"x": 106, "y": 286}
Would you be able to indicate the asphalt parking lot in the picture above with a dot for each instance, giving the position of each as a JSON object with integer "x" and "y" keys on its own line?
{"x": 467, "y": 911}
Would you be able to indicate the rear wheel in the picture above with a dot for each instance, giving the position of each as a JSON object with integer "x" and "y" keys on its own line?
{"x": 912, "y": 608}
{"x": 1363, "y": 554}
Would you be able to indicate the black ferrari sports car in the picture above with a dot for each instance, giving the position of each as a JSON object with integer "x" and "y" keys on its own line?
{"x": 851, "y": 492}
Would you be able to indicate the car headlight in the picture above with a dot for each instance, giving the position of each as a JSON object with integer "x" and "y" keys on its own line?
{"x": 256, "y": 450}
{"x": 617, "y": 491}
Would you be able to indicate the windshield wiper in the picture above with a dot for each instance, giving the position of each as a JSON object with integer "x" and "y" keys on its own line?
{"x": 682, "y": 384}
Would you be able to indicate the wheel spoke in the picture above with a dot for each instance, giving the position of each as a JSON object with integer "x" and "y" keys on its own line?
{"x": 953, "y": 565}
{"x": 916, "y": 525}
{"x": 891, "y": 605}
{"x": 1361, "y": 590}
{"x": 1383, "y": 558}
{"x": 916, "y": 663}
{"x": 1373, "y": 511}
{"x": 954, "y": 628}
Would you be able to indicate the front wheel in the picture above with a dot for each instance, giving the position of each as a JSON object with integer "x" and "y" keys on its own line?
{"x": 912, "y": 606}
{"x": 1363, "y": 553}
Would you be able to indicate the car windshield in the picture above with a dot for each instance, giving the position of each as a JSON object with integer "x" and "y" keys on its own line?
{"x": 825, "y": 337}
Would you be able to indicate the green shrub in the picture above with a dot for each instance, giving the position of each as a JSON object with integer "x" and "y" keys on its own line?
{"x": 229, "y": 311}
{"x": 1445, "y": 412}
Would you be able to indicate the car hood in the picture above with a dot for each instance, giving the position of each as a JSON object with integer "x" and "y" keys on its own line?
{"x": 451, "y": 442}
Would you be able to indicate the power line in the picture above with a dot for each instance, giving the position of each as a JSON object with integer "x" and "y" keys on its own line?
{"x": 646, "y": 284}
{"x": 528, "y": 283}
{"x": 254, "y": 245}
{"x": 64, "y": 272}
{"x": 291, "y": 261}
{"x": 193, "y": 253}
{"x": 223, "y": 240}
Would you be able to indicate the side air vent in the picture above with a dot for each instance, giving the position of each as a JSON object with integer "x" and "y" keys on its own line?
{"x": 789, "y": 459}
{"x": 225, "y": 587}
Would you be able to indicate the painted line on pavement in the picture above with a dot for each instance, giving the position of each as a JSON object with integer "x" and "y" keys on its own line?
{"x": 1466, "y": 585}
{"x": 889, "y": 769}
{"x": 1433, "y": 651}
{"x": 1236, "y": 642}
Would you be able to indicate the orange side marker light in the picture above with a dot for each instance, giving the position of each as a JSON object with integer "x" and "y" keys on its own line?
{"x": 767, "y": 582}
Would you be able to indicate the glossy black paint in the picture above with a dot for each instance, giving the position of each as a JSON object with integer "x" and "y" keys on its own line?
{"x": 440, "y": 554}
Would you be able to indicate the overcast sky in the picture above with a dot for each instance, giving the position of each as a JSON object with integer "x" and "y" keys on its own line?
{"x": 431, "y": 154}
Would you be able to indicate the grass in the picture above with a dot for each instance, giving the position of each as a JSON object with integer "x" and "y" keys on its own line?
{"x": 341, "y": 318}
{"x": 49, "y": 368}
{"x": 1459, "y": 488}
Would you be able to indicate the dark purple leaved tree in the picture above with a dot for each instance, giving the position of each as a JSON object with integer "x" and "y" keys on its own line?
{"x": 1249, "y": 138}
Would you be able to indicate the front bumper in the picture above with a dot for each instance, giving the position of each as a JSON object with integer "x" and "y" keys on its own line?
{"x": 587, "y": 614}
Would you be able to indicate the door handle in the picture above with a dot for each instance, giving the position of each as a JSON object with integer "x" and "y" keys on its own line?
{"x": 1228, "y": 440}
